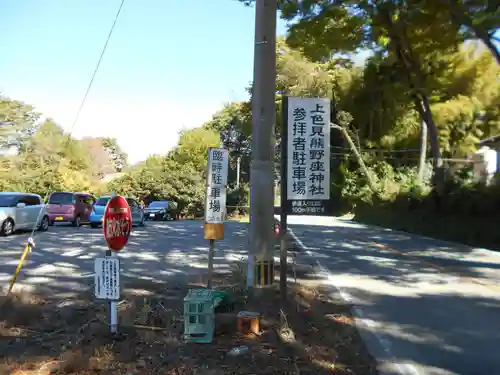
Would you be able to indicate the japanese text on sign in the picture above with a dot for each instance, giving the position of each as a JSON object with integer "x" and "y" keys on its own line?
{"x": 215, "y": 210}
{"x": 308, "y": 147}
{"x": 308, "y": 207}
{"x": 217, "y": 167}
{"x": 215, "y": 205}
{"x": 117, "y": 228}
{"x": 107, "y": 278}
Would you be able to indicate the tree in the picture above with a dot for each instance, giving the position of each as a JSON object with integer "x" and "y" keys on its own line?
{"x": 119, "y": 157}
{"x": 49, "y": 145}
{"x": 17, "y": 122}
{"x": 45, "y": 158}
{"x": 233, "y": 124}
{"x": 177, "y": 177}
{"x": 321, "y": 29}
{"x": 101, "y": 159}
{"x": 193, "y": 147}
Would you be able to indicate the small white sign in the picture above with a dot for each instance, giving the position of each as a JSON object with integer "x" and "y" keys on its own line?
{"x": 218, "y": 164}
{"x": 107, "y": 278}
{"x": 308, "y": 149}
{"x": 215, "y": 206}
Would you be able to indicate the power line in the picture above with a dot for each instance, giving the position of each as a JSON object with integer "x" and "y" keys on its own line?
{"x": 401, "y": 159}
{"x": 96, "y": 67}
{"x": 79, "y": 111}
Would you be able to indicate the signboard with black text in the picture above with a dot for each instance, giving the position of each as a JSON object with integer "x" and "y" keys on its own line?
{"x": 306, "y": 156}
{"x": 215, "y": 205}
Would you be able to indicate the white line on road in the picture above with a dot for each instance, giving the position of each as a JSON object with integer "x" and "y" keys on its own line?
{"x": 368, "y": 324}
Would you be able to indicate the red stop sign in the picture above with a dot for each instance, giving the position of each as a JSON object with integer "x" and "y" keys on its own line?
{"x": 117, "y": 223}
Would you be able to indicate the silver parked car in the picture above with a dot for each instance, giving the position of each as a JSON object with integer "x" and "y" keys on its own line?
{"x": 21, "y": 211}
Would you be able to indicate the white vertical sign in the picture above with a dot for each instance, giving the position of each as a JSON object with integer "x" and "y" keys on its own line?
{"x": 107, "y": 278}
{"x": 308, "y": 148}
{"x": 215, "y": 205}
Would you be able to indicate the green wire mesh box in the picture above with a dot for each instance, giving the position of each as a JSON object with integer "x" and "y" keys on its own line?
{"x": 199, "y": 316}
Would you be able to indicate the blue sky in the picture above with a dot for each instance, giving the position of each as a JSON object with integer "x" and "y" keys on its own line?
{"x": 167, "y": 67}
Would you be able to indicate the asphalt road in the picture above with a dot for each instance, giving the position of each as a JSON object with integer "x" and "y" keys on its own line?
{"x": 425, "y": 306}
{"x": 63, "y": 259}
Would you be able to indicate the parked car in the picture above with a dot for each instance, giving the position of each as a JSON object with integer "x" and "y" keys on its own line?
{"x": 97, "y": 214}
{"x": 22, "y": 211}
{"x": 158, "y": 210}
{"x": 75, "y": 208}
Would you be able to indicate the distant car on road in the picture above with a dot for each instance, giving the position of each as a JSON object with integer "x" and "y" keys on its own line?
{"x": 75, "y": 208}
{"x": 158, "y": 210}
{"x": 97, "y": 215}
{"x": 21, "y": 211}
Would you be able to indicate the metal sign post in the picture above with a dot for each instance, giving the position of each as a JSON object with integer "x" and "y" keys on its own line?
{"x": 117, "y": 225}
{"x": 305, "y": 165}
{"x": 215, "y": 202}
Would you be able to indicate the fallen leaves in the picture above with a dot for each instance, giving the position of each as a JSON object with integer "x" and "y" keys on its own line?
{"x": 313, "y": 335}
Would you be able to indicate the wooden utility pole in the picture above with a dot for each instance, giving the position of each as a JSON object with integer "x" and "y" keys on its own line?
{"x": 263, "y": 122}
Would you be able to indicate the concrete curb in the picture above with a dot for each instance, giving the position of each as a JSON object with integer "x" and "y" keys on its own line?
{"x": 378, "y": 347}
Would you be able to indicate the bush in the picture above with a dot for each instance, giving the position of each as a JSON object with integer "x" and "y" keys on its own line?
{"x": 390, "y": 182}
{"x": 466, "y": 211}
{"x": 238, "y": 200}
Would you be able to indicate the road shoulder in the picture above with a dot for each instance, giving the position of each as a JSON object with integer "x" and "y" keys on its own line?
{"x": 377, "y": 346}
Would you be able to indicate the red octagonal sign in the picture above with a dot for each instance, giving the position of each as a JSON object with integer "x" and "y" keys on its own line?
{"x": 117, "y": 223}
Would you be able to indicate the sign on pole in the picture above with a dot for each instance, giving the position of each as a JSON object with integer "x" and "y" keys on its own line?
{"x": 306, "y": 156}
{"x": 215, "y": 205}
{"x": 117, "y": 223}
{"x": 107, "y": 278}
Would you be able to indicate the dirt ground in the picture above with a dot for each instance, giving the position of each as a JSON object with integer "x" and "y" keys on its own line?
{"x": 43, "y": 334}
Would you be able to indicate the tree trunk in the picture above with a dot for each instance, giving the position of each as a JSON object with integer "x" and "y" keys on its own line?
{"x": 359, "y": 158}
{"x": 423, "y": 107}
{"x": 423, "y": 153}
{"x": 416, "y": 81}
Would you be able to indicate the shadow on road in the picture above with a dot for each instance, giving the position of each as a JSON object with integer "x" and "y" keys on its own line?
{"x": 381, "y": 248}
{"x": 431, "y": 304}
{"x": 63, "y": 258}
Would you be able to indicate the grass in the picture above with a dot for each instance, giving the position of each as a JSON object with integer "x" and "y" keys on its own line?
{"x": 43, "y": 334}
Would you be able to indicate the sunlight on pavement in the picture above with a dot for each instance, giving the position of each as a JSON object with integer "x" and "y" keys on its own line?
{"x": 142, "y": 256}
{"x": 323, "y": 221}
{"x": 71, "y": 253}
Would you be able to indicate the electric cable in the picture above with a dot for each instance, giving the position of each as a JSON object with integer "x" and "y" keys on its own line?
{"x": 30, "y": 243}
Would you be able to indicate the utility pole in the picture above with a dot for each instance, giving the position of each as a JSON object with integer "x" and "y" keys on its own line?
{"x": 263, "y": 122}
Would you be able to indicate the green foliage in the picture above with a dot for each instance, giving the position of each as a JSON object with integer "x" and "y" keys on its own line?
{"x": 465, "y": 214}
{"x": 47, "y": 159}
{"x": 238, "y": 200}
{"x": 17, "y": 122}
{"x": 193, "y": 147}
{"x": 178, "y": 177}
